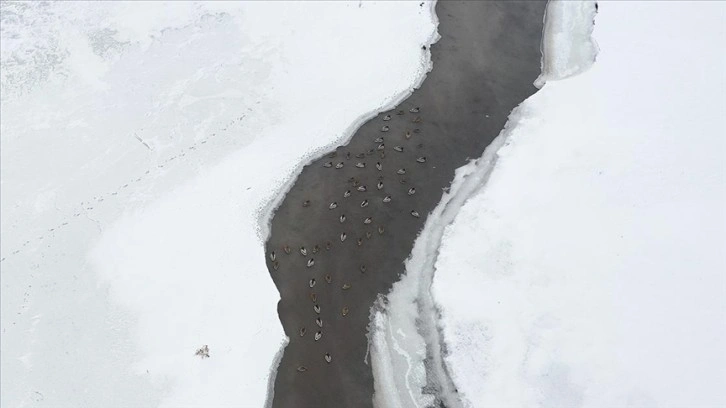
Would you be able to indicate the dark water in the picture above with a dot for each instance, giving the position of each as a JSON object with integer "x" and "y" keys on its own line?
{"x": 483, "y": 66}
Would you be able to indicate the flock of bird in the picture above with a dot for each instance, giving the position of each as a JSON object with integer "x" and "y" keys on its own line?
{"x": 355, "y": 184}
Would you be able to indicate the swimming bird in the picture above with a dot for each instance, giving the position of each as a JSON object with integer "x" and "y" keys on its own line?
{"x": 356, "y": 183}
{"x": 343, "y": 236}
{"x": 360, "y": 241}
{"x": 276, "y": 265}
{"x": 347, "y": 155}
{"x": 401, "y": 172}
{"x": 387, "y": 199}
{"x": 319, "y": 322}
{"x": 328, "y": 245}
{"x": 398, "y": 148}
{"x": 344, "y": 311}
{"x": 381, "y": 229}
{"x": 328, "y": 164}
{"x": 360, "y": 155}
{"x": 339, "y": 165}
{"x": 364, "y": 204}
{"x": 316, "y": 308}
{"x": 411, "y": 191}
{"x": 303, "y": 251}
{"x": 306, "y": 203}
{"x": 387, "y": 118}
{"x": 379, "y": 185}
{"x": 333, "y": 205}
{"x": 382, "y": 154}
{"x": 333, "y": 154}
{"x": 311, "y": 262}
{"x": 415, "y": 213}
{"x": 381, "y": 146}
{"x": 346, "y": 286}
{"x": 272, "y": 256}
{"x": 417, "y": 119}
{"x": 316, "y": 249}
{"x": 417, "y": 131}
{"x": 328, "y": 358}
{"x": 384, "y": 129}
{"x": 379, "y": 166}
{"x": 318, "y": 335}
{"x": 421, "y": 159}
{"x": 328, "y": 278}
{"x": 379, "y": 140}
{"x": 302, "y": 331}
{"x": 367, "y": 220}
{"x": 286, "y": 249}
{"x": 403, "y": 180}
{"x": 302, "y": 369}
{"x": 346, "y": 194}
{"x": 313, "y": 297}
{"x": 363, "y": 269}
{"x": 368, "y": 234}
{"x": 360, "y": 165}
{"x": 415, "y": 110}
{"x": 362, "y": 189}
{"x": 342, "y": 218}
{"x": 399, "y": 113}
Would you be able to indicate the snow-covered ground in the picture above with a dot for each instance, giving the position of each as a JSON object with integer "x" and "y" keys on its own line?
{"x": 590, "y": 269}
{"x": 142, "y": 149}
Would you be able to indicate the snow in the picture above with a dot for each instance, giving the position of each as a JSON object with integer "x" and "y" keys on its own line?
{"x": 144, "y": 148}
{"x": 589, "y": 269}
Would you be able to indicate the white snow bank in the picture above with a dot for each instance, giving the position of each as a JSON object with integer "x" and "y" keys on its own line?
{"x": 568, "y": 47}
{"x": 589, "y": 271}
{"x": 142, "y": 148}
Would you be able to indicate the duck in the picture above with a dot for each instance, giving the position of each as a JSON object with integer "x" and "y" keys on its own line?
{"x": 302, "y": 331}
{"x": 345, "y": 286}
{"x": 399, "y": 113}
{"x": 339, "y": 165}
{"x": 342, "y": 218}
{"x": 417, "y": 131}
{"x": 311, "y": 262}
{"x": 306, "y": 203}
{"x": 415, "y": 213}
{"x": 368, "y": 235}
{"x": 343, "y": 236}
{"x": 421, "y": 159}
{"x": 312, "y": 282}
{"x": 302, "y": 369}
{"x": 316, "y": 249}
{"x": 359, "y": 242}
{"x": 313, "y": 297}
{"x": 303, "y": 251}
{"x": 379, "y": 140}
{"x": 363, "y": 269}
{"x": 328, "y": 279}
{"x": 347, "y": 155}
{"x": 360, "y": 155}
{"x": 328, "y": 358}
{"x": 387, "y": 118}
{"x": 415, "y": 110}
{"x": 381, "y": 230}
{"x": 316, "y": 308}
{"x": 287, "y": 249}
{"x": 417, "y": 119}
{"x": 411, "y": 191}
{"x": 362, "y": 189}
{"x": 328, "y": 164}
{"x": 367, "y": 220}
{"x": 272, "y": 256}
{"x": 346, "y": 194}
{"x": 328, "y": 245}
{"x": 379, "y": 166}
{"x": 319, "y": 322}
{"x": 403, "y": 180}
{"x": 364, "y": 204}
{"x": 318, "y": 335}
{"x": 387, "y": 199}
{"x": 276, "y": 265}
{"x": 333, "y": 205}
{"x": 408, "y": 134}
{"x": 379, "y": 185}
{"x": 356, "y": 183}
{"x": 401, "y": 172}
{"x": 384, "y": 128}
{"x": 398, "y": 148}
{"x": 360, "y": 165}
{"x": 344, "y": 311}
{"x": 381, "y": 146}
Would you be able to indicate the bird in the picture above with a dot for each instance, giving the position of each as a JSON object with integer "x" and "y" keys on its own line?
{"x": 360, "y": 155}
{"x": 364, "y": 204}
{"x": 306, "y": 203}
{"x": 381, "y": 146}
{"x": 316, "y": 249}
{"x": 333, "y": 205}
{"x": 382, "y": 154}
{"x": 272, "y": 256}
{"x": 421, "y": 159}
{"x": 398, "y": 148}
{"x": 346, "y": 194}
{"x": 316, "y": 308}
{"x": 302, "y": 331}
{"x": 408, "y": 134}
{"x": 368, "y": 234}
{"x": 360, "y": 241}
{"x": 367, "y": 220}
{"x": 362, "y": 189}
{"x": 363, "y": 269}
{"x": 346, "y": 286}
{"x": 328, "y": 358}
{"x": 415, "y": 110}
{"x": 411, "y": 191}
{"x": 328, "y": 164}
{"x": 312, "y": 282}
{"x": 417, "y": 119}
{"x": 360, "y": 165}
{"x": 311, "y": 262}
{"x": 379, "y": 140}
{"x": 342, "y": 218}
{"x": 417, "y": 131}
{"x": 401, "y": 172}
{"x": 328, "y": 278}
{"x": 387, "y": 118}
{"x": 302, "y": 369}
{"x": 286, "y": 249}
{"x": 347, "y": 155}
{"x": 387, "y": 199}
{"x": 318, "y": 335}
{"x": 381, "y": 230}
{"x": 319, "y": 322}
{"x": 379, "y": 166}
{"x": 403, "y": 180}
{"x": 344, "y": 311}
{"x": 303, "y": 251}
{"x": 343, "y": 236}
{"x": 339, "y": 165}
{"x": 384, "y": 129}
{"x": 276, "y": 265}
{"x": 333, "y": 154}
{"x": 415, "y": 213}
{"x": 399, "y": 113}
{"x": 379, "y": 185}
{"x": 313, "y": 297}
{"x": 328, "y": 245}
